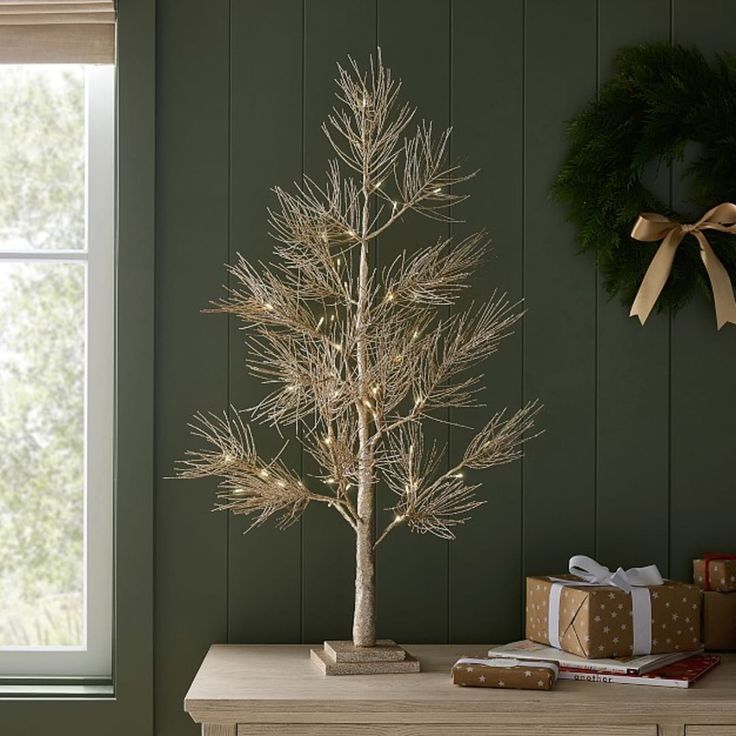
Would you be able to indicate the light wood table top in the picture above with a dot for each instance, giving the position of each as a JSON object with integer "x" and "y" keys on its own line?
{"x": 262, "y": 684}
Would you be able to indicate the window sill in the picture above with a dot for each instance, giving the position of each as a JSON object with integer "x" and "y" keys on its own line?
{"x": 79, "y": 689}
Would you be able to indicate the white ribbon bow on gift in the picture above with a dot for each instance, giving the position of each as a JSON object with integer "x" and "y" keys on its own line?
{"x": 633, "y": 581}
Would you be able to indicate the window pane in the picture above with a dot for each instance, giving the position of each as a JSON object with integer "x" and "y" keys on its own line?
{"x": 42, "y": 414}
{"x": 42, "y": 157}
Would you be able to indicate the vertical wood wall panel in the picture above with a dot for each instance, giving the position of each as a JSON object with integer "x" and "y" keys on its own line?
{"x": 266, "y": 149}
{"x": 333, "y": 29}
{"x": 559, "y": 329}
{"x": 242, "y": 90}
{"x": 412, "y": 570}
{"x": 632, "y": 365}
{"x": 191, "y": 351}
{"x": 485, "y": 560}
{"x": 703, "y": 360}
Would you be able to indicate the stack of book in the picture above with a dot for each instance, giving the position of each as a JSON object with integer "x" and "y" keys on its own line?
{"x": 680, "y": 669}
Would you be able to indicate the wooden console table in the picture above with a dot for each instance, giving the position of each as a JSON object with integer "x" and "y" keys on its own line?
{"x": 248, "y": 690}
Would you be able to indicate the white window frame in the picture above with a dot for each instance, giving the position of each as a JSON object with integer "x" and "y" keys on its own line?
{"x": 94, "y": 657}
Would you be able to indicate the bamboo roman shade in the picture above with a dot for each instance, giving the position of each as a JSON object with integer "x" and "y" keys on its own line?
{"x": 57, "y": 31}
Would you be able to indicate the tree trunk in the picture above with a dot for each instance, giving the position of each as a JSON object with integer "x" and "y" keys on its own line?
{"x": 364, "y": 617}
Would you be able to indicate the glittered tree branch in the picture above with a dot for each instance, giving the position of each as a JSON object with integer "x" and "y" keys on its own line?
{"x": 360, "y": 358}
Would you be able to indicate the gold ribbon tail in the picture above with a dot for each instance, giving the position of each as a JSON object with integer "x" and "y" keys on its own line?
{"x": 657, "y": 274}
{"x": 720, "y": 283}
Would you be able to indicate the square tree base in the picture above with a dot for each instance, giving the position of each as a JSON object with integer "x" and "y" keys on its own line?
{"x": 343, "y": 658}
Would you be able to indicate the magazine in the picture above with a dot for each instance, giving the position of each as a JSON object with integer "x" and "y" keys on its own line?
{"x": 634, "y": 665}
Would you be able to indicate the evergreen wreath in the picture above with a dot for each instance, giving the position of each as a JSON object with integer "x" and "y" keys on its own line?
{"x": 660, "y": 99}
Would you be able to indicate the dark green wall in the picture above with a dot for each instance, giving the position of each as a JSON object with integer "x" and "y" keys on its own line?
{"x": 635, "y": 463}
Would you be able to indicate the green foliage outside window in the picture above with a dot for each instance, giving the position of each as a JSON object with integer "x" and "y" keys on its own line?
{"x": 42, "y": 189}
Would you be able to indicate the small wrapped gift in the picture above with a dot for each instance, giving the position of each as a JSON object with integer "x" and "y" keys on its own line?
{"x": 716, "y": 572}
{"x": 719, "y": 621}
{"x": 515, "y": 674}
{"x": 595, "y": 613}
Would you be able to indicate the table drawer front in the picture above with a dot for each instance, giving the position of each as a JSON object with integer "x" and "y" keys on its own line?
{"x": 439, "y": 729}
{"x": 710, "y": 731}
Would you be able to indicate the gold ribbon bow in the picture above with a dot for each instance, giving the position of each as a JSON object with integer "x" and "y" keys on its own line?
{"x": 651, "y": 226}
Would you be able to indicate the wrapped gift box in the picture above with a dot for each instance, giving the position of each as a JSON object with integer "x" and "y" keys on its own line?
{"x": 596, "y": 621}
{"x": 719, "y": 621}
{"x": 514, "y": 674}
{"x": 721, "y": 573}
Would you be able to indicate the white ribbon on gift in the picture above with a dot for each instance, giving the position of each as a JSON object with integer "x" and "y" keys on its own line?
{"x": 509, "y": 662}
{"x": 634, "y": 581}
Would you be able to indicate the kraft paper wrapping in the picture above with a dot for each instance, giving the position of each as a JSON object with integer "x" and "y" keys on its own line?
{"x": 595, "y": 622}
{"x": 513, "y": 674}
{"x": 719, "y": 621}
{"x": 722, "y": 574}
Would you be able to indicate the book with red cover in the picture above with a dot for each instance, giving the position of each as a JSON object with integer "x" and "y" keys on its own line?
{"x": 677, "y": 674}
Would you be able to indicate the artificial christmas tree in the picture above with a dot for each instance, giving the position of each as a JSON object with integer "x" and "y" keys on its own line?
{"x": 361, "y": 358}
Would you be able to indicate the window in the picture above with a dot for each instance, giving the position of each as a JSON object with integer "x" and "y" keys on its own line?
{"x": 56, "y": 368}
